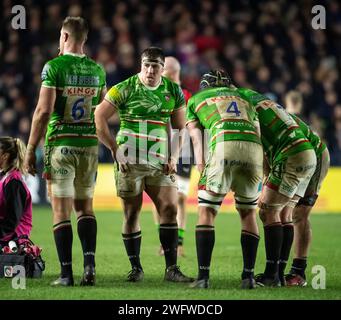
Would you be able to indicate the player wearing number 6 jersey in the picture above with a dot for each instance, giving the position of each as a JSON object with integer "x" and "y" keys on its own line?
{"x": 235, "y": 162}
{"x": 72, "y": 86}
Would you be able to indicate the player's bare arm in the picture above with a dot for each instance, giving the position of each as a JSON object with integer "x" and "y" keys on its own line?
{"x": 170, "y": 167}
{"x": 177, "y": 122}
{"x": 103, "y": 112}
{"x": 103, "y": 93}
{"x": 41, "y": 116}
{"x": 196, "y": 132}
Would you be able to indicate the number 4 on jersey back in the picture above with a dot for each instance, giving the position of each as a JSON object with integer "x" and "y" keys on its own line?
{"x": 233, "y": 108}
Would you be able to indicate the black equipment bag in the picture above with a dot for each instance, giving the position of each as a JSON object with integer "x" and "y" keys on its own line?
{"x": 34, "y": 265}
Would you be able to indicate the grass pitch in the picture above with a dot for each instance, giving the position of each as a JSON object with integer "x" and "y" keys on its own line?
{"x": 113, "y": 264}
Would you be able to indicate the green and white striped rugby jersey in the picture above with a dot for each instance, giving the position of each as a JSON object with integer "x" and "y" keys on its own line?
{"x": 281, "y": 135}
{"x": 313, "y": 137}
{"x": 225, "y": 113}
{"x": 78, "y": 81}
{"x": 144, "y": 115}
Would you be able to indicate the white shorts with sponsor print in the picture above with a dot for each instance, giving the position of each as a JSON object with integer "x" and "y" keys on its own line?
{"x": 133, "y": 182}
{"x": 236, "y": 166}
{"x": 322, "y": 166}
{"x": 73, "y": 171}
{"x": 291, "y": 176}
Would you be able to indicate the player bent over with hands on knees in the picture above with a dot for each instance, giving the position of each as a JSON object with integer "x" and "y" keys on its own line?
{"x": 300, "y": 214}
{"x": 72, "y": 85}
{"x": 235, "y": 162}
{"x": 291, "y": 160}
{"x": 146, "y": 102}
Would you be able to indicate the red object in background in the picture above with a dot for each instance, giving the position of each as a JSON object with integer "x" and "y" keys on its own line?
{"x": 205, "y": 42}
{"x": 34, "y": 250}
{"x": 191, "y": 82}
{"x": 187, "y": 94}
{"x": 6, "y": 249}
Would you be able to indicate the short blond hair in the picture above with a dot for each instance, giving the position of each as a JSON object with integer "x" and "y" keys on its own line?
{"x": 295, "y": 97}
{"x": 77, "y": 27}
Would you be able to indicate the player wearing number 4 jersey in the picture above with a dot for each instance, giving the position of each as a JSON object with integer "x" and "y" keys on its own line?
{"x": 72, "y": 85}
{"x": 292, "y": 161}
{"x": 235, "y": 162}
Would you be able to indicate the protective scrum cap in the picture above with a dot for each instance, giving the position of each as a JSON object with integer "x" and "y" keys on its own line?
{"x": 215, "y": 78}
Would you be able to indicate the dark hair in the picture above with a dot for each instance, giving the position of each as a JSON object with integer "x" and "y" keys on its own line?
{"x": 16, "y": 150}
{"x": 153, "y": 53}
{"x": 215, "y": 78}
{"x": 77, "y": 27}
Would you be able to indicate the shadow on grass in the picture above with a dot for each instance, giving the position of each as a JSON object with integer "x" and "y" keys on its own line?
{"x": 155, "y": 282}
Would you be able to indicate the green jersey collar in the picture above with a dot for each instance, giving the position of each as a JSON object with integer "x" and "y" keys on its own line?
{"x": 74, "y": 54}
{"x": 148, "y": 87}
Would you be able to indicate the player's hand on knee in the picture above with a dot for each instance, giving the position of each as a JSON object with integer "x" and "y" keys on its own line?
{"x": 124, "y": 167}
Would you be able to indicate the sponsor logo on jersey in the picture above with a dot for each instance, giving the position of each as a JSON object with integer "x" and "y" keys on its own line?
{"x": 80, "y": 91}
{"x": 114, "y": 95}
{"x": 217, "y": 99}
{"x": 76, "y": 80}
{"x": 60, "y": 171}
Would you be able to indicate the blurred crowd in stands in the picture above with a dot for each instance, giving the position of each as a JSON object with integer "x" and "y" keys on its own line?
{"x": 269, "y": 46}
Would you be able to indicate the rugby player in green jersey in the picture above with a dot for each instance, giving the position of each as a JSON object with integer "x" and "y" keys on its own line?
{"x": 72, "y": 86}
{"x": 300, "y": 214}
{"x": 146, "y": 102}
{"x": 235, "y": 162}
{"x": 172, "y": 70}
{"x": 292, "y": 162}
